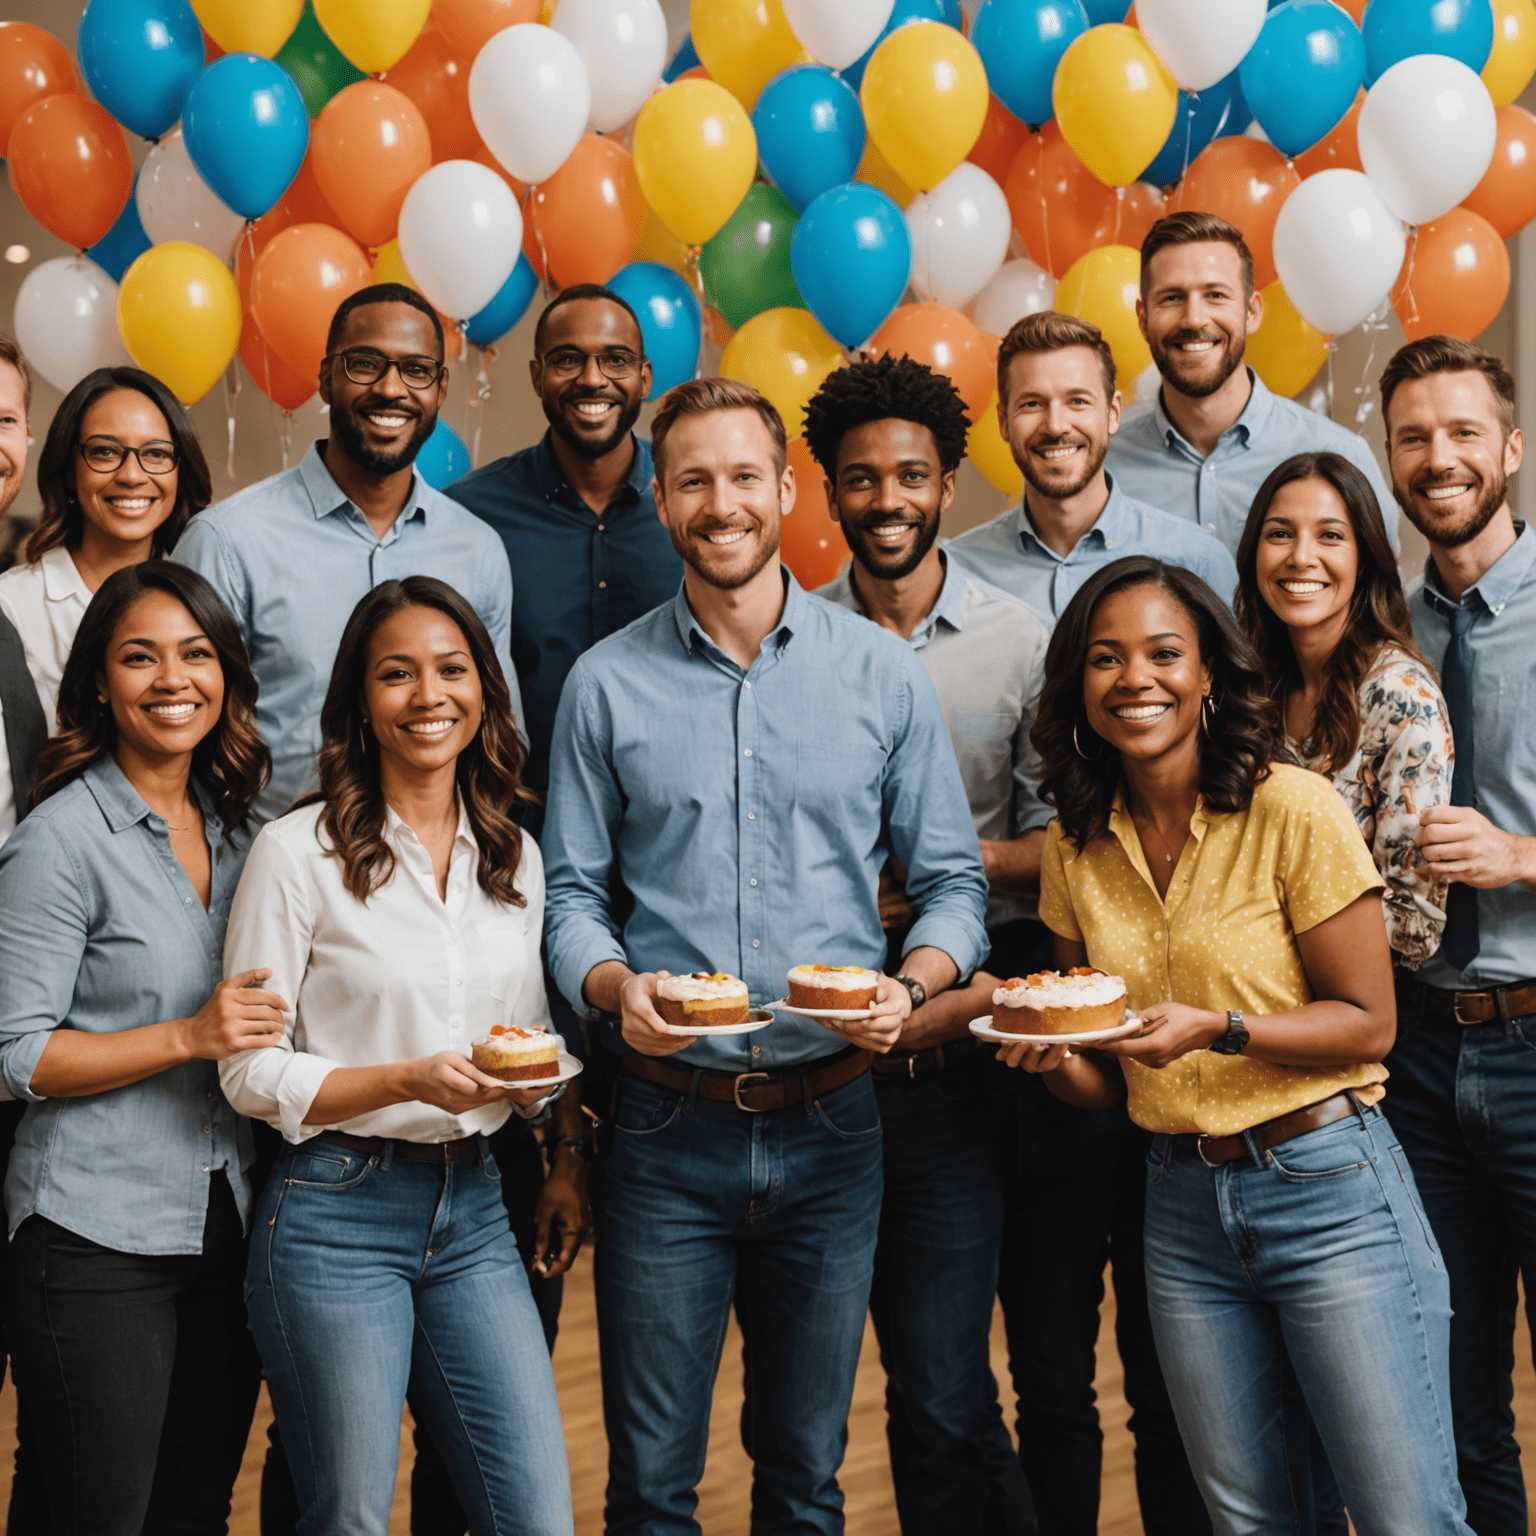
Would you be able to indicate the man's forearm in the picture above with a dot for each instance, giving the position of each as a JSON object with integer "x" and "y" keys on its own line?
{"x": 604, "y": 983}
{"x": 1013, "y": 864}
{"x": 930, "y": 966}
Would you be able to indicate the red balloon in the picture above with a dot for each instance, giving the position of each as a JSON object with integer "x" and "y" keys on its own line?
{"x": 436, "y": 78}
{"x": 1455, "y": 278}
{"x": 70, "y": 167}
{"x": 1244, "y": 182}
{"x": 811, "y": 541}
{"x": 1002, "y": 136}
{"x": 33, "y": 64}
{"x": 1506, "y": 196}
{"x": 584, "y": 221}
{"x": 948, "y": 343}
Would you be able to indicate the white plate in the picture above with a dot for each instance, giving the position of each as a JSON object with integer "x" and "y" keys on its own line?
{"x": 569, "y": 1068}
{"x": 982, "y": 1028}
{"x": 757, "y": 1018}
{"x": 782, "y": 1006}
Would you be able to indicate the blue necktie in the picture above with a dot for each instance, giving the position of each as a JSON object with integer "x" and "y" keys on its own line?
{"x": 1460, "y": 941}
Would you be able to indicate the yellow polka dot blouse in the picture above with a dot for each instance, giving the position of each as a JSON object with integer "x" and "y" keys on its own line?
{"x": 1245, "y": 885}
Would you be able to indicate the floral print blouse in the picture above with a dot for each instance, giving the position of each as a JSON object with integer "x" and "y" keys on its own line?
{"x": 1401, "y": 767}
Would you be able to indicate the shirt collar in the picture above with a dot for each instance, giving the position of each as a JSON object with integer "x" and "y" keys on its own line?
{"x": 61, "y": 578}
{"x": 1497, "y": 584}
{"x": 547, "y": 471}
{"x": 396, "y": 829}
{"x": 326, "y": 497}
{"x": 1122, "y": 827}
{"x": 1254, "y": 418}
{"x": 796, "y": 607}
{"x": 949, "y": 605}
{"x": 1109, "y": 527}
{"x": 122, "y": 806}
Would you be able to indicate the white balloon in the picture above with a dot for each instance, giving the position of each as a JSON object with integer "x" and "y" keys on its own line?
{"x": 1427, "y": 133}
{"x": 1020, "y": 288}
{"x": 623, "y": 43}
{"x": 175, "y": 203}
{"x": 66, "y": 320}
{"x": 1200, "y": 41}
{"x": 960, "y": 232}
{"x": 530, "y": 96}
{"x": 837, "y": 32}
{"x": 460, "y": 234}
{"x": 1338, "y": 249}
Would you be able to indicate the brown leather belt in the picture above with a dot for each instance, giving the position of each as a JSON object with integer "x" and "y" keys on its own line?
{"x": 1496, "y": 1006}
{"x": 910, "y": 1064}
{"x": 406, "y": 1151}
{"x": 754, "y": 1092}
{"x": 1215, "y": 1150}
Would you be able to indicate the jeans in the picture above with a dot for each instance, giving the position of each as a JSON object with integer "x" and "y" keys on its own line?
{"x": 1463, "y": 1103}
{"x": 701, "y": 1203}
{"x": 139, "y": 1375}
{"x": 367, "y": 1272}
{"x": 1317, "y": 1250}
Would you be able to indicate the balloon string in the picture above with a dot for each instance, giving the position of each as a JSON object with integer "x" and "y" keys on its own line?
{"x": 1413, "y": 250}
{"x": 1045, "y": 222}
{"x": 1332, "y": 347}
{"x": 231, "y": 401}
{"x": 695, "y": 277}
{"x": 1373, "y": 323}
{"x": 488, "y": 355}
{"x": 1119, "y": 209}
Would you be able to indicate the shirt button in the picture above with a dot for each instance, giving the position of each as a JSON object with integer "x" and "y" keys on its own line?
{"x": 601, "y": 527}
{"x": 757, "y": 1050}
{"x": 751, "y": 815}
{"x": 1109, "y": 543}
{"x": 748, "y": 752}
{"x": 206, "y": 1131}
{"x": 455, "y": 1023}
{"x": 186, "y": 901}
{"x": 601, "y": 585}
{"x": 1211, "y": 527}
{"x": 458, "y": 981}
{"x": 754, "y": 882}
{"x": 453, "y": 938}
{"x": 749, "y": 684}
{"x": 205, "y": 1167}
{"x": 756, "y": 943}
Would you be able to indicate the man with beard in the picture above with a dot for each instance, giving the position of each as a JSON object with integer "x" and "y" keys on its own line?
{"x": 1462, "y": 1096}
{"x": 729, "y": 776}
{"x": 890, "y": 435}
{"x": 1058, "y": 408}
{"x": 1204, "y": 446}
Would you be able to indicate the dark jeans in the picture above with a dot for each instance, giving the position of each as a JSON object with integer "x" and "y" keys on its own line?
{"x": 139, "y": 1374}
{"x": 28, "y": 1513}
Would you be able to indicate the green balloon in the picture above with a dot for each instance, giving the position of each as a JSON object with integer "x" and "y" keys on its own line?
{"x": 314, "y": 61}
{"x": 746, "y": 266}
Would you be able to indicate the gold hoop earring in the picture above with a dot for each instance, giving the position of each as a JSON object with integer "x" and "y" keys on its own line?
{"x": 1207, "y": 713}
{"x": 1096, "y": 756}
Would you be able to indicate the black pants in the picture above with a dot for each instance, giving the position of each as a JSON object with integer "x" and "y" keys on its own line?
{"x": 28, "y": 1513}
{"x": 139, "y": 1375}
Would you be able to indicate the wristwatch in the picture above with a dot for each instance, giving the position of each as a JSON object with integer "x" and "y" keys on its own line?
{"x": 1236, "y": 1037}
{"x": 918, "y": 991}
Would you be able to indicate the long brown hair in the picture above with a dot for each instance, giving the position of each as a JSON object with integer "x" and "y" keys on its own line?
{"x": 488, "y": 772}
{"x": 231, "y": 761}
{"x": 1378, "y": 608}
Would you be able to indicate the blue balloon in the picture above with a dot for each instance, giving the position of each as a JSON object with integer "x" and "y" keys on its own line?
{"x": 1102, "y": 11}
{"x": 851, "y": 255}
{"x": 671, "y": 321}
{"x": 443, "y": 458}
{"x": 140, "y": 58}
{"x": 507, "y": 308}
{"x": 1217, "y": 112}
{"x": 810, "y": 131}
{"x": 947, "y": 11}
{"x": 246, "y": 129}
{"x": 1301, "y": 75}
{"x": 685, "y": 58}
{"x": 1398, "y": 29}
{"x": 1021, "y": 42}
{"x": 124, "y": 243}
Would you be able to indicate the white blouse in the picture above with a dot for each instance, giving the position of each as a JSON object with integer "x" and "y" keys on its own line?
{"x": 46, "y": 601}
{"x": 405, "y": 974}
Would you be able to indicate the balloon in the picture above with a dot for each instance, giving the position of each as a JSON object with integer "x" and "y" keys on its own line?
{"x": 246, "y": 129}
{"x": 249, "y": 26}
{"x": 33, "y": 64}
{"x": 470, "y": 24}
{"x": 507, "y": 308}
{"x": 1210, "y": 115}
{"x": 1339, "y": 150}
{"x": 122, "y": 245}
{"x": 1002, "y": 137}
{"x": 623, "y": 43}
{"x": 837, "y": 35}
{"x": 443, "y": 458}
{"x": 1285, "y": 351}
{"x": 585, "y": 220}
{"x": 851, "y": 254}
{"x": 1115, "y": 102}
{"x": 811, "y": 541}
{"x": 810, "y": 132}
{"x": 179, "y": 313}
{"x": 658, "y": 243}
{"x": 139, "y": 58}
{"x": 1337, "y": 249}
{"x": 945, "y": 341}
{"x": 1199, "y": 41}
{"x": 296, "y": 285}
{"x": 743, "y": 43}
{"x": 1399, "y": 29}
{"x": 1302, "y": 75}
{"x": 875, "y": 170}
{"x": 460, "y": 230}
{"x": 69, "y": 165}
{"x": 1427, "y": 135}
{"x": 1506, "y": 196}
{"x": 696, "y": 154}
{"x": 1021, "y": 42}
{"x": 436, "y": 79}
{"x": 960, "y": 233}
{"x": 530, "y": 97}
{"x": 1512, "y": 61}
{"x": 988, "y": 450}
{"x": 783, "y": 354}
{"x": 371, "y": 145}
{"x": 175, "y": 203}
{"x": 1020, "y": 288}
{"x": 745, "y": 268}
{"x": 925, "y": 99}
{"x": 904, "y": 11}
{"x": 1102, "y": 288}
{"x": 66, "y": 320}
{"x": 671, "y": 321}
{"x": 317, "y": 65}
{"x": 269, "y": 373}
{"x": 1245, "y": 183}
{"x": 373, "y": 34}
{"x": 1455, "y": 279}
{"x": 1102, "y": 11}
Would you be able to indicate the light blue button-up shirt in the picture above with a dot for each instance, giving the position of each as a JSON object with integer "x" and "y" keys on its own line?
{"x": 745, "y": 816}
{"x": 292, "y": 557}
{"x": 1156, "y": 463}
{"x": 101, "y": 931}
{"x": 1009, "y": 554}
{"x": 1503, "y": 638}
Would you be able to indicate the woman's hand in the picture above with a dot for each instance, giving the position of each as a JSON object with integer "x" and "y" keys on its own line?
{"x": 1034, "y": 1057}
{"x": 882, "y": 1029}
{"x": 239, "y": 1016}
{"x": 1168, "y": 1031}
{"x": 451, "y": 1081}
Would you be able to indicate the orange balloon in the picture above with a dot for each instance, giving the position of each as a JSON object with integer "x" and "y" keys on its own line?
{"x": 269, "y": 373}
{"x": 69, "y": 165}
{"x": 1131, "y": 219}
{"x": 1506, "y": 196}
{"x": 1356, "y": 9}
{"x": 584, "y": 222}
{"x": 436, "y": 78}
{"x": 296, "y": 286}
{"x": 1002, "y": 136}
{"x": 33, "y": 64}
{"x": 302, "y": 203}
{"x": 811, "y": 541}
{"x": 470, "y": 24}
{"x": 1244, "y": 182}
{"x": 370, "y": 143}
{"x": 947, "y": 342}
{"x": 1455, "y": 278}
{"x": 1336, "y": 151}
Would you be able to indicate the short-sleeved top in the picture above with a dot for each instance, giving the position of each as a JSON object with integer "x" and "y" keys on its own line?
{"x": 1247, "y": 882}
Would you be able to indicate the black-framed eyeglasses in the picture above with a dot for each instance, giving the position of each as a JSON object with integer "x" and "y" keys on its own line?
{"x": 616, "y": 362}
{"x": 106, "y": 456}
{"x": 370, "y": 367}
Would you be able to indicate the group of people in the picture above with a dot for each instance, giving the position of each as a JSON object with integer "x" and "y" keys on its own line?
{"x": 309, "y": 788}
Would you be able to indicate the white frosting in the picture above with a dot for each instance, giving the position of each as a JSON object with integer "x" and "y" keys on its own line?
{"x": 854, "y": 980}
{"x": 692, "y": 989}
{"x": 1062, "y": 992}
{"x": 517, "y": 1042}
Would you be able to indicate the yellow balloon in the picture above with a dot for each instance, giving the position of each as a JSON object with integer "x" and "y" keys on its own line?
{"x": 696, "y": 154}
{"x": 875, "y": 169}
{"x": 657, "y": 243}
{"x": 1285, "y": 351}
{"x": 1102, "y": 288}
{"x": 373, "y": 35}
{"x": 1513, "y": 60}
{"x": 925, "y": 99}
{"x": 1114, "y": 101}
{"x": 249, "y": 26}
{"x": 389, "y": 266}
{"x": 742, "y": 43}
{"x": 989, "y": 451}
{"x": 784, "y": 354}
{"x": 178, "y": 310}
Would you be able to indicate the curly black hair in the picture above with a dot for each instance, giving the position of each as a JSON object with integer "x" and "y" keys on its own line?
{"x": 878, "y": 390}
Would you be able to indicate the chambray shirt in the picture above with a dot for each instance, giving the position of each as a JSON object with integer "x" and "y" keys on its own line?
{"x": 1009, "y": 554}
{"x": 100, "y": 930}
{"x": 705, "y": 818}
{"x": 292, "y": 557}
{"x": 577, "y": 576}
{"x": 1155, "y": 462}
{"x": 1503, "y": 637}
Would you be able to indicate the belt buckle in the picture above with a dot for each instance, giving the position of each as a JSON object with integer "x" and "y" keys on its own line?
{"x": 736, "y": 1090}
{"x": 1456, "y": 998}
{"x": 1200, "y": 1148}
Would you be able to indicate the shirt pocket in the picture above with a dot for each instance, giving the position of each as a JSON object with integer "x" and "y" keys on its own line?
{"x": 504, "y": 951}
{"x": 983, "y": 725}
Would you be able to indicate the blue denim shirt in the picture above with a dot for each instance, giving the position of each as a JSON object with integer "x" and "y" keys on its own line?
{"x": 100, "y": 930}
{"x": 702, "y": 817}
{"x": 292, "y": 557}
